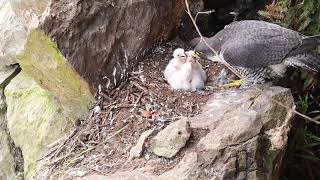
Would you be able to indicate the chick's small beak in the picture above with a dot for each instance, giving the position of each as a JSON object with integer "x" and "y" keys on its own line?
{"x": 197, "y": 54}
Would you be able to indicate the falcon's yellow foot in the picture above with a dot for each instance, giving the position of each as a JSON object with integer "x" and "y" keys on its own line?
{"x": 233, "y": 83}
{"x": 197, "y": 54}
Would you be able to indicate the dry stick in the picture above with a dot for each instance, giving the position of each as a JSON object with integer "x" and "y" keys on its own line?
{"x": 232, "y": 69}
{"x": 206, "y": 43}
{"x": 60, "y": 144}
{"x": 101, "y": 143}
{"x": 296, "y": 112}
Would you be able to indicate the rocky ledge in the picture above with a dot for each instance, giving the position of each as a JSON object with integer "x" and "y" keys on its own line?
{"x": 247, "y": 131}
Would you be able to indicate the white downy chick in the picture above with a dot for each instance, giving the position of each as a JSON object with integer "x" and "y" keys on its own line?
{"x": 179, "y": 58}
{"x": 181, "y": 79}
{"x": 184, "y": 72}
{"x": 199, "y": 76}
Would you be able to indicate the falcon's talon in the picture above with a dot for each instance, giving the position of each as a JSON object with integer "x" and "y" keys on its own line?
{"x": 233, "y": 83}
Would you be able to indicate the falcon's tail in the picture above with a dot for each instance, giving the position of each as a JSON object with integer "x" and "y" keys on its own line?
{"x": 310, "y": 61}
{"x": 308, "y": 43}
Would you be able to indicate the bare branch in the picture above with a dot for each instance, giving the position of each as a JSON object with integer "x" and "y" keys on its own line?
{"x": 206, "y": 43}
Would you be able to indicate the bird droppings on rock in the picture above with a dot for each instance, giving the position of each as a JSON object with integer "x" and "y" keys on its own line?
{"x": 170, "y": 140}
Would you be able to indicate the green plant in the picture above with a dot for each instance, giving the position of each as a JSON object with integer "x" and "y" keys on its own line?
{"x": 303, "y": 158}
{"x": 303, "y": 104}
{"x": 302, "y": 15}
{"x": 303, "y": 152}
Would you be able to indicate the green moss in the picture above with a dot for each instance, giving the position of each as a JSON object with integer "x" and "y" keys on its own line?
{"x": 44, "y": 99}
{"x": 51, "y": 70}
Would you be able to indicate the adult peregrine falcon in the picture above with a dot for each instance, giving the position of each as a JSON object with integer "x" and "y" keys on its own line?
{"x": 260, "y": 51}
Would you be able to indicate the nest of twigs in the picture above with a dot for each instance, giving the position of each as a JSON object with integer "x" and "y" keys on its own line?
{"x": 101, "y": 143}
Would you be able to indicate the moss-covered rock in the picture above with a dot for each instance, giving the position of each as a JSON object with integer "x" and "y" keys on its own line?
{"x": 7, "y": 164}
{"x": 44, "y": 99}
{"x": 9, "y": 161}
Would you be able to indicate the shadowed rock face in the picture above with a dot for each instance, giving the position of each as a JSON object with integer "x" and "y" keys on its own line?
{"x": 103, "y": 39}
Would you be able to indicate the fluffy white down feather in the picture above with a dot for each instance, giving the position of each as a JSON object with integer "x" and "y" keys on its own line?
{"x": 185, "y": 74}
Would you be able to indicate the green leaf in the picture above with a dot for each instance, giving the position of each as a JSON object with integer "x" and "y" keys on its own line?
{"x": 313, "y": 137}
{"x": 308, "y": 157}
{"x": 311, "y": 145}
{"x": 314, "y": 112}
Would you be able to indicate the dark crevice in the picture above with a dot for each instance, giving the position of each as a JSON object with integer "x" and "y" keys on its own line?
{"x": 9, "y": 78}
{"x": 228, "y": 11}
{"x": 224, "y": 13}
{"x": 14, "y": 150}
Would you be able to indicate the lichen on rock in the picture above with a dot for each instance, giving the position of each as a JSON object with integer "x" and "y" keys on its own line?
{"x": 44, "y": 99}
{"x": 7, "y": 159}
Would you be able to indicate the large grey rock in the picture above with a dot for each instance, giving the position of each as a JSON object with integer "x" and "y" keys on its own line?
{"x": 246, "y": 139}
{"x": 188, "y": 168}
{"x": 7, "y": 163}
{"x": 9, "y": 167}
{"x": 241, "y": 141}
{"x": 12, "y": 34}
{"x": 102, "y": 39}
{"x": 16, "y": 18}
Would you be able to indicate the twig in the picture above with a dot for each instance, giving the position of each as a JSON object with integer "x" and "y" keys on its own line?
{"x": 111, "y": 104}
{"x": 139, "y": 98}
{"x": 206, "y": 43}
{"x": 296, "y": 112}
{"x": 99, "y": 171}
{"x": 56, "y": 151}
{"x": 139, "y": 86}
{"x": 57, "y": 160}
{"x": 232, "y": 69}
{"x": 126, "y": 105}
{"x": 204, "y": 12}
{"x": 101, "y": 143}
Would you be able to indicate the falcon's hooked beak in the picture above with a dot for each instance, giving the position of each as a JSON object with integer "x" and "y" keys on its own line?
{"x": 197, "y": 54}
